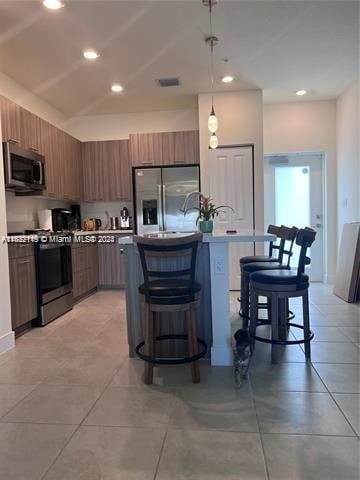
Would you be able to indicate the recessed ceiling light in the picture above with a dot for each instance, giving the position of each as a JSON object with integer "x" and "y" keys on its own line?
{"x": 301, "y": 92}
{"x": 116, "y": 87}
{"x": 53, "y": 4}
{"x": 227, "y": 79}
{"x": 91, "y": 54}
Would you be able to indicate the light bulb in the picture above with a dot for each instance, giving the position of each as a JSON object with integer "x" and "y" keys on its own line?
{"x": 213, "y": 141}
{"x": 53, "y": 4}
{"x": 212, "y": 121}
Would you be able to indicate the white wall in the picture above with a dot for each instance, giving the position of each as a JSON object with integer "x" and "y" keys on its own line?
{"x": 116, "y": 127}
{"x": 240, "y": 121}
{"x": 7, "y": 338}
{"x": 348, "y": 159}
{"x": 308, "y": 127}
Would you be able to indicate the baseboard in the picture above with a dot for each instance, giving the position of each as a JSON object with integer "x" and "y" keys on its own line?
{"x": 7, "y": 342}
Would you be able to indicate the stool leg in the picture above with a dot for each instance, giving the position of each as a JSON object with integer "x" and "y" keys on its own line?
{"x": 192, "y": 343}
{"x": 306, "y": 320}
{"x": 149, "y": 347}
{"x": 253, "y": 316}
{"x": 282, "y": 318}
{"x": 245, "y": 300}
{"x": 274, "y": 327}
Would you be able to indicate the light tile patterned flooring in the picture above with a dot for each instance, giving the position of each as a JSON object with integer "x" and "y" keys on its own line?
{"x": 72, "y": 405}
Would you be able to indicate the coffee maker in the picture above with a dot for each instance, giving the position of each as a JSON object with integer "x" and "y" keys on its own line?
{"x": 61, "y": 218}
{"x": 124, "y": 219}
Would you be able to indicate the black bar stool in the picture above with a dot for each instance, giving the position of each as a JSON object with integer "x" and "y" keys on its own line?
{"x": 278, "y": 286}
{"x": 170, "y": 287}
{"x": 273, "y": 230}
{"x": 285, "y": 234}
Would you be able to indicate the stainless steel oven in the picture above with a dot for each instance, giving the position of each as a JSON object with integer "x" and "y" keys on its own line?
{"x": 54, "y": 280}
{"x": 24, "y": 169}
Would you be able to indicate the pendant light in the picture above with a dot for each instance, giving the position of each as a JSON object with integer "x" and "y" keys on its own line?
{"x": 211, "y": 41}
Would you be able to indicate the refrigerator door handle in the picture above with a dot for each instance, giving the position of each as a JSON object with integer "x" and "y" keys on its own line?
{"x": 159, "y": 209}
{"x": 164, "y": 212}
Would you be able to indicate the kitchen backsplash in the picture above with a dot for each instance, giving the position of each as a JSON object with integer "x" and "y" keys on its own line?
{"x": 99, "y": 209}
{"x": 21, "y": 212}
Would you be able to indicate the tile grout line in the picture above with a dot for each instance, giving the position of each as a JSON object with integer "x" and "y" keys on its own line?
{"x": 76, "y": 429}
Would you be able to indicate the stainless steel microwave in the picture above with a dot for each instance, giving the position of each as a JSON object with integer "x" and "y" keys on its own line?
{"x": 23, "y": 169}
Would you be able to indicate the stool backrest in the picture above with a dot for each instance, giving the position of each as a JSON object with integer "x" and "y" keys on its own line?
{"x": 273, "y": 230}
{"x": 304, "y": 238}
{"x": 183, "y": 248}
{"x": 287, "y": 234}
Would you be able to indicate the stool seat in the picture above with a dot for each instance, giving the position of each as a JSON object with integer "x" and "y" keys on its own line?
{"x": 280, "y": 277}
{"x": 171, "y": 291}
{"x": 257, "y": 258}
{"x": 254, "y": 267}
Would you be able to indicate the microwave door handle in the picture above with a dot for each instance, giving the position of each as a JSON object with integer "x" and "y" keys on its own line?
{"x": 40, "y": 171}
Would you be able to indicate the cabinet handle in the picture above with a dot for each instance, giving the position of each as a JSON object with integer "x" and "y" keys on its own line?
{"x": 12, "y": 140}
{"x": 23, "y": 261}
{"x": 147, "y": 163}
{"x": 33, "y": 149}
{"x": 179, "y": 161}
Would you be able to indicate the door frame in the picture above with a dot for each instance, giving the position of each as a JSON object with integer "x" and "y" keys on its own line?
{"x": 252, "y": 146}
{"x": 324, "y": 193}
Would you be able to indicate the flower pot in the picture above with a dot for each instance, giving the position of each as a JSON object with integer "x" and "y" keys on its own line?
{"x": 206, "y": 226}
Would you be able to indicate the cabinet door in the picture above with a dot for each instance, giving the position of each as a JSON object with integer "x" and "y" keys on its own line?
{"x": 30, "y": 131}
{"x": 146, "y": 149}
{"x": 48, "y": 149}
{"x": 93, "y": 164}
{"x": 22, "y": 290}
{"x": 111, "y": 266}
{"x": 118, "y": 170}
{"x": 10, "y": 121}
{"x": 180, "y": 147}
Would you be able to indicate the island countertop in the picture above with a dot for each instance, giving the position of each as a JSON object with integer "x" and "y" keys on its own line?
{"x": 216, "y": 237}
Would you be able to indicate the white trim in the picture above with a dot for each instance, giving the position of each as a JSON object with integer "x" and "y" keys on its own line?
{"x": 7, "y": 342}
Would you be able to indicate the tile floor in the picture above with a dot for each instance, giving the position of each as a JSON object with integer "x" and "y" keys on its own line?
{"x": 72, "y": 405}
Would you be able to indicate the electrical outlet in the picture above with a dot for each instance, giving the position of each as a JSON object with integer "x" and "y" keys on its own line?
{"x": 219, "y": 266}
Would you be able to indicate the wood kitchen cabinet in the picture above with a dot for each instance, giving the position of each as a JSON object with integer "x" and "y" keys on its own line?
{"x": 22, "y": 285}
{"x": 168, "y": 148}
{"x": 106, "y": 170}
{"x": 30, "y": 128}
{"x": 10, "y": 121}
{"x": 85, "y": 269}
{"x": 111, "y": 266}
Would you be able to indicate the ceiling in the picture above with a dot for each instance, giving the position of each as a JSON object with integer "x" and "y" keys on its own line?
{"x": 279, "y": 46}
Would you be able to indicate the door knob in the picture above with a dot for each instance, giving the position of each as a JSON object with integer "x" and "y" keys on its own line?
{"x": 318, "y": 225}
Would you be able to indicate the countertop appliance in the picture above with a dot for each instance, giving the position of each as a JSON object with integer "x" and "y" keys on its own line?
{"x": 61, "y": 219}
{"x": 54, "y": 279}
{"x": 114, "y": 223}
{"x": 124, "y": 219}
{"x": 75, "y": 221}
{"x": 24, "y": 169}
{"x": 159, "y": 193}
{"x": 45, "y": 219}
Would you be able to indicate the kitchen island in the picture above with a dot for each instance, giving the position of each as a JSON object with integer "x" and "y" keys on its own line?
{"x": 212, "y": 272}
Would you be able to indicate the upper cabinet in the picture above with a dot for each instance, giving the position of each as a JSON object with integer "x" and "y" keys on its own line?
{"x": 63, "y": 172}
{"x": 106, "y": 170}
{"x": 168, "y": 148}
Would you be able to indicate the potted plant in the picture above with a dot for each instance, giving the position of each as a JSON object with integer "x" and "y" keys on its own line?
{"x": 207, "y": 211}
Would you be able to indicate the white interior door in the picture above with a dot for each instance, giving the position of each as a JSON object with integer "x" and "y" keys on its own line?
{"x": 231, "y": 183}
{"x": 294, "y": 196}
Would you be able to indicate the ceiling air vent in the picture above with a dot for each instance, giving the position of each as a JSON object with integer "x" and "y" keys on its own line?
{"x": 169, "y": 82}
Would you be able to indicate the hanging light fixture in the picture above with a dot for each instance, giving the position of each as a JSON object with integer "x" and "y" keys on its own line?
{"x": 211, "y": 41}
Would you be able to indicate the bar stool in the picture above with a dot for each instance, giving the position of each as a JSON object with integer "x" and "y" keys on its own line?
{"x": 273, "y": 230}
{"x": 278, "y": 286}
{"x": 168, "y": 267}
{"x": 285, "y": 234}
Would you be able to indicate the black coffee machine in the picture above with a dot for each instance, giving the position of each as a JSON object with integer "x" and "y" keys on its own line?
{"x": 75, "y": 218}
{"x": 61, "y": 218}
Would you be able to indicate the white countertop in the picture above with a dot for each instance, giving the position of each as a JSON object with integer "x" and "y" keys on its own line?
{"x": 243, "y": 236}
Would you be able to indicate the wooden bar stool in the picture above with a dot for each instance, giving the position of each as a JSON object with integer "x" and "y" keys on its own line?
{"x": 278, "y": 286}
{"x": 168, "y": 267}
{"x": 285, "y": 234}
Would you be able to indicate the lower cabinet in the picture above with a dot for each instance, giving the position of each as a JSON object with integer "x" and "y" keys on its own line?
{"x": 85, "y": 267}
{"x": 23, "y": 292}
{"x": 111, "y": 266}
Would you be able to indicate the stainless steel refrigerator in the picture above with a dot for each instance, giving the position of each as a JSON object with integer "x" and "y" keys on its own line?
{"x": 159, "y": 193}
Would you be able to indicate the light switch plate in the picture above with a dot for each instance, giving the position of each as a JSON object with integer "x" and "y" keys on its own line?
{"x": 219, "y": 266}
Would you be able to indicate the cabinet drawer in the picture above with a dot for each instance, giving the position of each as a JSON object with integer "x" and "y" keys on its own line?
{"x": 19, "y": 250}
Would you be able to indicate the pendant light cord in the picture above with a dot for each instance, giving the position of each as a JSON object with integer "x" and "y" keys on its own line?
{"x": 211, "y": 54}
